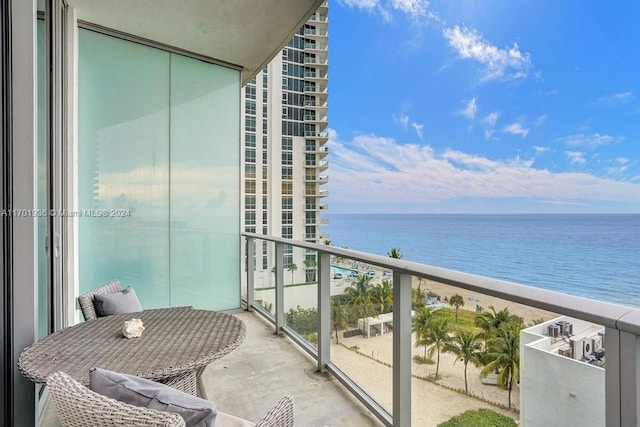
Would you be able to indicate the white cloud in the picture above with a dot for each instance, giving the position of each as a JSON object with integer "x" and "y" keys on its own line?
{"x": 576, "y": 157}
{"x": 541, "y": 119}
{"x": 373, "y": 170}
{"x": 516, "y": 129}
{"x": 413, "y": 8}
{"x": 360, "y": 4}
{"x": 490, "y": 118}
{"x": 469, "y": 111}
{"x": 616, "y": 99}
{"x": 488, "y": 133}
{"x": 540, "y": 150}
{"x": 418, "y": 128}
{"x": 402, "y": 120}
{"x": 582, "y": 140}
{"x": 507, "y": 63}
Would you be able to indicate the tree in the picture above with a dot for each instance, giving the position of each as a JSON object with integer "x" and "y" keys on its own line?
{"x": 359, "y": 297}
{"x": 456, "y": 301}
{"x": 339, "y": 316}
{"x": 395, "y": 253}
{"x": 420, "y": 325}
{"x": 436, "y": 337}
{"x": 292, "y": 268}
{"x": 490, "y": 321}
{"x": 382, "y": 294}
{"x": 327, "y": 242}
{"x": 503, "y": 356}
{"x": 466, "y": 347}
{"x": 417, "y": 298}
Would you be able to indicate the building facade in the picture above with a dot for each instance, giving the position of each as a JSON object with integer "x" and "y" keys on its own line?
{"x": 284, "y": 117}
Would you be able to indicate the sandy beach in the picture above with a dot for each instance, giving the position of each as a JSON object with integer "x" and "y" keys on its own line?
{"x": 366, "y": 360}
{"x": 433, "y": 403}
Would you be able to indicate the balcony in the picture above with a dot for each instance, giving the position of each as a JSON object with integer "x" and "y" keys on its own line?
{"x": 264, "y": 353}
{"x": 385, "y": 380}
{"x": 316, "y": 76}
{"x": 316, "y": 62}
{"x": 323, "y": 136}
{"x": 316, "y": 33}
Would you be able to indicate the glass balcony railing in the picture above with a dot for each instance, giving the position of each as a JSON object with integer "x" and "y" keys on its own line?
{"x": 374, "y": 323}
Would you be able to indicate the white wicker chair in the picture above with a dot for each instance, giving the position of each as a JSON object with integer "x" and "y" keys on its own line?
{"x": 86, "y": 300}
{"x": 77, "y": 406}
{"x": 280, "y": 416}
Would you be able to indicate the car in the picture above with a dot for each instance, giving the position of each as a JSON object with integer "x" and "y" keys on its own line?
{"x": 337, "y": 275}
{"x": 371, "y": 273}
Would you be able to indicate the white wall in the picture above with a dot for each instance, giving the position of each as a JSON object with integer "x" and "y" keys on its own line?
{"x": 556, "y": 390}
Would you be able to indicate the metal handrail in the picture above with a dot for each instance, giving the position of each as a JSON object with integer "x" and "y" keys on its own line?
{"x": 622, "y": 324}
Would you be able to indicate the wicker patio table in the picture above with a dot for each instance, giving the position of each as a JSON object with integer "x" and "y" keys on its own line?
{"x": 176, "y": 346}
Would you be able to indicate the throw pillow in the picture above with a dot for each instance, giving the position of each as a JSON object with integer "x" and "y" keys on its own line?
{"x": 137, "y": 391}
{"x": 125, "y": 301}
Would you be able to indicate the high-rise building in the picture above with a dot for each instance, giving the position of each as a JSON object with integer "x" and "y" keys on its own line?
{"x": 284, "y": 117}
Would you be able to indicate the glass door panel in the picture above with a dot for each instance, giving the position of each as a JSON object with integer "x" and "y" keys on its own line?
{"x": 123, "y": 168}
{"x": 205, "y": 183}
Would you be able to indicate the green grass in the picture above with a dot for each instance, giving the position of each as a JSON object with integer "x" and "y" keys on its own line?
{"x": 479, "y": 418}
{"x": 466, "y": 318}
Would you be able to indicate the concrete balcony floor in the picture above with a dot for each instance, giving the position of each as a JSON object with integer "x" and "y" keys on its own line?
{"x": 250, "y": 380}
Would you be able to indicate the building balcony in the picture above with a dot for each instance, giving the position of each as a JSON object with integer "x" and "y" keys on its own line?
{"x": 378, "y": 369}
{"x": 316, "y": 76}
{"x": 275, "y": 364}
{"x": 318, "y": 34}
{"x": 313, "y": 149}
{"x": 322, "y": 179}
{"x": 322, "y": 136}
{"x": 317, "y": 63}
{"x": 317, "y": 18}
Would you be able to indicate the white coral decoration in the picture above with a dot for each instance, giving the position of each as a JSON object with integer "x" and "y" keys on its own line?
{"x": 132, "y": 328}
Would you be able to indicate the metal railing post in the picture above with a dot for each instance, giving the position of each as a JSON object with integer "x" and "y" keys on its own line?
{"x": 279, "y": 317}
{"x": 251, "y": 267}
{"x": 324, "y": 310}
{"x": 401, "y": 349}
{"x": 612, "y": 378}
{"x": 621, "y": 378}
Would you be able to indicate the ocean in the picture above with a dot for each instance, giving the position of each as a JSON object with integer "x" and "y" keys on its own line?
{"x": 595, "y": 256}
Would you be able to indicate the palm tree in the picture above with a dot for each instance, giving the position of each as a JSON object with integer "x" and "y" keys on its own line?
{"x": 339, "y": 317}
{"x": 327, "y": 242}
{"x": 466, "y": 347}
{"x": 382, "y": 294}
{"x": 436, "y": 336}
{"x": 456, "y": 301}
{"x": 395, "y": 253}
{"x": 292, "y": 268}
{"x": 359, "y": 296}
{"x": 417, "y": 298}
{"x": 490, "y": 321}
{"x": 504, "y": 356}
{"x": 420, "y": 325}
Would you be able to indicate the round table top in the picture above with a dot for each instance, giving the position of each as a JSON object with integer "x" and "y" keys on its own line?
{"x": 175, "y": 341}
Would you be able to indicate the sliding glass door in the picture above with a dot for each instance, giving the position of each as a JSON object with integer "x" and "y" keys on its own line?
{"x": 158, "y": 174}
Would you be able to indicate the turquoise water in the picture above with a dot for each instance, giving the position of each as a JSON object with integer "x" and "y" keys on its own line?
{"x": 595, "y": 256}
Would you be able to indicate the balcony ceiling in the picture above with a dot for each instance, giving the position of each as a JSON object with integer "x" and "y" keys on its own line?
{"x": 244, "y": 33}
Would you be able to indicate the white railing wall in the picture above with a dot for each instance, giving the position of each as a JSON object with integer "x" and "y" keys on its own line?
{"x": 622, "y": 325}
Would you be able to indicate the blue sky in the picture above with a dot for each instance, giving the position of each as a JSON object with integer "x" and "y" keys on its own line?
{"x": 479, "y": 106}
